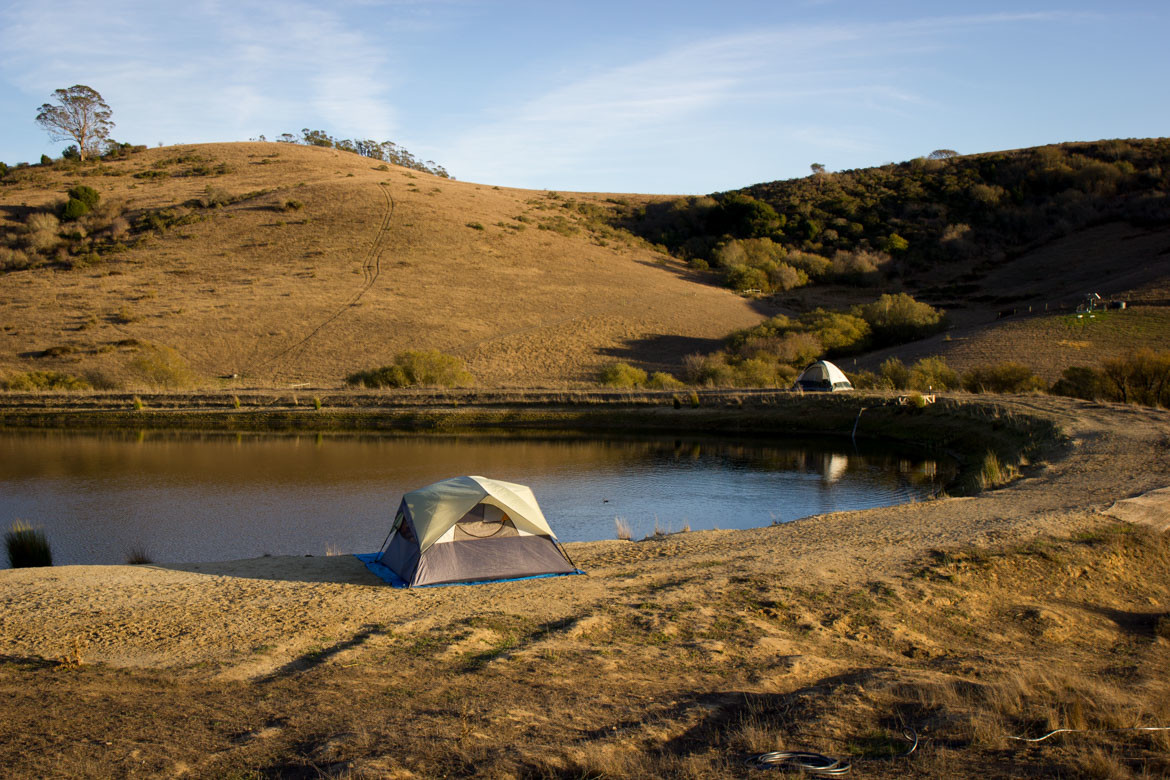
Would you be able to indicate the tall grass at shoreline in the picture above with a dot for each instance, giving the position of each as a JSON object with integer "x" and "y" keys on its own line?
{"x": 622, "y": 527}
{"x": 27, "y": 546}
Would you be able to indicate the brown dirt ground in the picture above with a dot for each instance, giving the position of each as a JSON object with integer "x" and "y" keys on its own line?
{"x": 375, "y": 262}
{"x": 967, "y": 619}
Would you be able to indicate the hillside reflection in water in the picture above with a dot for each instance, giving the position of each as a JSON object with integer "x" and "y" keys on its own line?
{"x": 204, "y": 497}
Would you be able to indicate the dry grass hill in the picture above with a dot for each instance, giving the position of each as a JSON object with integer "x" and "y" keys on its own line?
{"x": 274, "y": 265}
{"x": 287, "y": 264}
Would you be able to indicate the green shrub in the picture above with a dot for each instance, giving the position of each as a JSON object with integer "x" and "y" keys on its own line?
{"x": 757, "y": 263}
{"x": 46, "y": 159}
{"x": 1082, "y": 382}
{"x": 476, "y": 226}
{"x": 894, "y": 243}
{"x": 932, "y": 374}
{"x": 742, "y": 278}
{"x": 863, "y": 380}
{"x": 622, "y": 375}
{"x": 660, "y": 380}
{"x": 815, "y": 266}
{"x": 87, "y": 195}
{"x": 840, "y": 333}
{"x": 413, "y": 368}
{"x": 293, "y": 205}
{"x": 74, "y": 209}
{"x": 1002, "y": 378}
{"x": 27, "y": 547}
{"x": 896, "y": 319}
{"x": 894, "y": 374}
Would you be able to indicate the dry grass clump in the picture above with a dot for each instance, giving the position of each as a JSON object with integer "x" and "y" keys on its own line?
{"x": 158, "y": 367}
{"x": 36, "y": 381}
{"x": 994, "y": 472}
{"x": 1003, "y": 712}
{"x": 622, "y": 527}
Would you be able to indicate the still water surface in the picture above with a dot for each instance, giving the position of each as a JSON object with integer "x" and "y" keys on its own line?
{"x": 207, "y": 497}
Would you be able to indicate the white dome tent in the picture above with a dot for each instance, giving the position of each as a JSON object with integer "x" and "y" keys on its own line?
{"x": 823, "y": 377}
{"x": 465, "y": 530}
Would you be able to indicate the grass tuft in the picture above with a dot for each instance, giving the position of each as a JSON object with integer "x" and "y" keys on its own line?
{"x": 624, "y": 531}
{"x": 994, "y": 472}
{"x": 27, "y": 547}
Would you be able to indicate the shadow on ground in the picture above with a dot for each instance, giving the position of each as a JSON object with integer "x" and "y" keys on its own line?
{"x": 339, "y": 569}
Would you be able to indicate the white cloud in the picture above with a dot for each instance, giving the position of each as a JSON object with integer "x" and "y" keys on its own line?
{"x": 206, "y": 70}
{"x": 771, "y": 81}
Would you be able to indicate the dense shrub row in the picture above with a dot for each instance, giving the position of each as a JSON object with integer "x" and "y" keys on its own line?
{"x": 1142, "y": 377}
{"x": 919, "y": 213}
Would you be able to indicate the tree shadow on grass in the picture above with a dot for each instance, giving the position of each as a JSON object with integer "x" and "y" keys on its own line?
{"x": 316, "y": 657}
{"x": 662, "y": 352}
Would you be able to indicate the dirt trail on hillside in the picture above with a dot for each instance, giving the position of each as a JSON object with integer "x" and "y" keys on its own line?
{"x": 247, "y": 618}
{"x": 276, "y": 365}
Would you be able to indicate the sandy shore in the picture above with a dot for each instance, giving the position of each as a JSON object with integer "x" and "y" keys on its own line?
{"x": 248, "y": 618}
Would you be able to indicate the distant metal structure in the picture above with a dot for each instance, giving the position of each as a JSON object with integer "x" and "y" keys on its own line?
{"x": 1091, "y": 302}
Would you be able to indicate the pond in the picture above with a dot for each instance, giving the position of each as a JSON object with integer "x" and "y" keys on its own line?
{"x": 183, "y": 497}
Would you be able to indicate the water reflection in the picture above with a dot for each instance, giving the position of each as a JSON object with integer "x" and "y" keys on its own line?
{"x": 190, "y": 497}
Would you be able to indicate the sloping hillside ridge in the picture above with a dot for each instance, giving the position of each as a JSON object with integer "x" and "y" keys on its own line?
{"x": 258, "y": 264}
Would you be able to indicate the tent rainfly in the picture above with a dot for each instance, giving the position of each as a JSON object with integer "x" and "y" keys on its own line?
{"x": 822, "y": 376}
{"x": 471, "y": 529}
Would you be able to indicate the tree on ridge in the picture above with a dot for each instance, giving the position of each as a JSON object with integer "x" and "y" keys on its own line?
{"x": 80, "y": 114}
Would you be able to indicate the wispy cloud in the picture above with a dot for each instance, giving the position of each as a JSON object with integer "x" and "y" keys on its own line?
{"x": 204, "y": 70}
{"x": 772, "y": 78}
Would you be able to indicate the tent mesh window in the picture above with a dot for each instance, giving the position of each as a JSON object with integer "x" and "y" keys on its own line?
{"x": 484, "y": 521}
{"x": 403, "y": 527}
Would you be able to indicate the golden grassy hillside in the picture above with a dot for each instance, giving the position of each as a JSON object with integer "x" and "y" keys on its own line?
{"x": 316, "y": 263}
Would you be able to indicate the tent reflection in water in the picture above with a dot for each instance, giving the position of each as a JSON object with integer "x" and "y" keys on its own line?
{"x": 824, "y": 377}
{"x": 469, "y": 529}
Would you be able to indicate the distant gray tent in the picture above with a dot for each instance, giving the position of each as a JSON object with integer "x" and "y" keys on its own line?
{"x": 822, "y": 376}
{"x": 471, "y": 529}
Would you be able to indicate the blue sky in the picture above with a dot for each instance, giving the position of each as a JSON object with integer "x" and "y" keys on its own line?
{"x": 672, "y": 97}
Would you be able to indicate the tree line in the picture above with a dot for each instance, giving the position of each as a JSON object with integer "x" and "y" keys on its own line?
{"x": 387, "y": 151}
{"x": 80, "y": 114}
